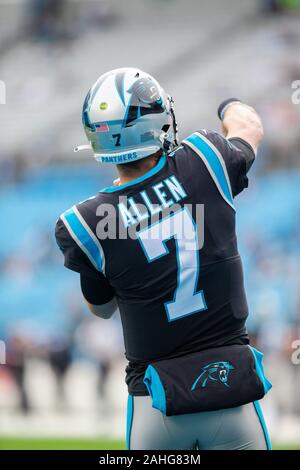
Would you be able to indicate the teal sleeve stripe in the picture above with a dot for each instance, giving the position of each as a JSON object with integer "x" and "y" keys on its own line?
{"x": 258, "y": 357}
{"x": 84, "y": 237}
{"x": 263, "y": 423}
{"x": 129, "y": 420}
{"x": 155, "y": 389}
{"x": 212, "y": 161}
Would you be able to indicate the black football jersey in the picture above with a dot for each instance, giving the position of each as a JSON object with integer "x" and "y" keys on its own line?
{"x": 165, "y": 246}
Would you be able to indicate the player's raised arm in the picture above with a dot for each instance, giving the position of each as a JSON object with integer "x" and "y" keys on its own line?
{"x": 241, "y": 120}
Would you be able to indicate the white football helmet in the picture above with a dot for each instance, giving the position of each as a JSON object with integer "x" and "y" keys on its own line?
{"x": 128, "y": 116}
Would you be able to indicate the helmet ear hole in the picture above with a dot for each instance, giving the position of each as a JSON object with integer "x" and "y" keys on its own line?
{"x": 165, "y": 127}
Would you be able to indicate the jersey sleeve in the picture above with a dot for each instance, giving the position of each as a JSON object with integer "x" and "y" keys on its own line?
{"x": 94, "y": 285}
{"x": 74, "y": 258}
{"x": 237, "y": 155}
{"x": 96, "y": 291}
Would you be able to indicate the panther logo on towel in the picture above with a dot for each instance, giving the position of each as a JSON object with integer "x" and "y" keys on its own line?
{"x": 215, "y": 372}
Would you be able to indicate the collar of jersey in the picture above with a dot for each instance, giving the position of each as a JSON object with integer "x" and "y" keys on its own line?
{"x": 160, "y": 164}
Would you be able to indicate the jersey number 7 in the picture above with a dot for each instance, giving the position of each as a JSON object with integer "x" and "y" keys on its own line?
{"x": 182, "y": 228}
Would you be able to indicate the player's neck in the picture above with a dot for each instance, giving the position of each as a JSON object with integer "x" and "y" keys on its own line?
{"x": 130, "y": 173}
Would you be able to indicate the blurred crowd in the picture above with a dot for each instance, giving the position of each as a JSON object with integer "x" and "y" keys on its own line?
{"x": 61, "y": 20}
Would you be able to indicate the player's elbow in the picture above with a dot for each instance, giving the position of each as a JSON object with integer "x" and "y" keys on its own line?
{"x": 96, "y": 310}
{"x": 104, "y": 311}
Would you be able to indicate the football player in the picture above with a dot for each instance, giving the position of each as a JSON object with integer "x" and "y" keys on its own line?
{"x": 161, "y": 247}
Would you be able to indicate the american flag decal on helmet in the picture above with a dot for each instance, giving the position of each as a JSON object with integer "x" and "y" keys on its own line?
{"x": 102, "y": 127}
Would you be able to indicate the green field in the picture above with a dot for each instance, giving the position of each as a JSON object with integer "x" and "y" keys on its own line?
{"x": 15, "y": 443}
